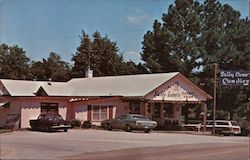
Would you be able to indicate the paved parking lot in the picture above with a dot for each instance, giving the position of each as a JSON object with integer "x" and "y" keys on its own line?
{"x": 58, "y": 145}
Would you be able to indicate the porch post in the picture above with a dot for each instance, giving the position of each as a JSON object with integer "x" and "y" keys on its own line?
{"x": 142, "y": 108}
{"x": 146, "y": 109}
{"x": 71, "y": 110}
{"x": 152, "y": 112}
{"x": 161, "y": 111}
{"x": 204, "y": 117}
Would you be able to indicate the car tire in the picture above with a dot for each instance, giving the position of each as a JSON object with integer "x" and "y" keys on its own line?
{"x": 109, "y": 127}
{"x": 128, "y": 128}
{"x": 65, "y": 130}
{"x": 219, "y": 132}
{"x": 47, "y": 129}
{"x": 147, "y": 130}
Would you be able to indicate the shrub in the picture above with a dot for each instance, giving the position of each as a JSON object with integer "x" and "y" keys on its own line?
{"x": 86, "y": 124}
{"x": 75, "y": 123}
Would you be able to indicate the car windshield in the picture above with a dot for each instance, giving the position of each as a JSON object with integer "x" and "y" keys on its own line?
{"x": 138, "y": 117}
{"x": 222, "y": 123}
{"x": 122, "y": 117}
{"x": 234, "y": 123}
{"x": 54, "y": 117}
{"x": 209, "y": 123}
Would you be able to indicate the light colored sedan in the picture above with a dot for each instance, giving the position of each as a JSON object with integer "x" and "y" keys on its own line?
{"x": 130, "y": 122}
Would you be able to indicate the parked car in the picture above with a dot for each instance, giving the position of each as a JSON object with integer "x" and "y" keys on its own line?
{"x": 130, "y": 122}
{"x": 49, "y": 122}
{"x": 224, "y": 127}
{"x": 191, "y": 127}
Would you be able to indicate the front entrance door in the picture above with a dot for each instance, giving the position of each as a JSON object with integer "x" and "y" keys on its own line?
{"x": 156, "y": 113}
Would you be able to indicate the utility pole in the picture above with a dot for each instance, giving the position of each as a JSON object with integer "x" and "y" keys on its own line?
{"x": 215, "y": 86}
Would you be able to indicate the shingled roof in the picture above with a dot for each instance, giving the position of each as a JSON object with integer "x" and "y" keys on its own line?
{"x": 30, "y": 88}
{"x": 128, "y": 85}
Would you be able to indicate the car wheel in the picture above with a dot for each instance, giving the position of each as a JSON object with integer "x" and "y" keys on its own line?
{"x": 47, "y": 128}
{"x": 65, "y": 130}
{"x": 128, "y": 128}
{"x": 103, "y": 126}
{"x": 147, "y": 130}
{"x": 109, "y": 127}
{"x": 219, "y": 132}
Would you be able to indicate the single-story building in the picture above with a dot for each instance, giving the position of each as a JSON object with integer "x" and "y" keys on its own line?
{"x": 160, "y": 97}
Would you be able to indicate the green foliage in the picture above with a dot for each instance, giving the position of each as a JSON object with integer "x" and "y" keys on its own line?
{"x": 86, "y": 124}
{"x": 75, "y": 123}
{"x": 222, "y": 115}
{"x": 193, "y": 36}
{"x": 14, "y": 64}
{"x": 53, "y": 67}
{"x": 101, "y": 54}
{"x": 173, "y": 44}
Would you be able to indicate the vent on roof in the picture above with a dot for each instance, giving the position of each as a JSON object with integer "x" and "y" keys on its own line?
{"x": 50, "y": 80}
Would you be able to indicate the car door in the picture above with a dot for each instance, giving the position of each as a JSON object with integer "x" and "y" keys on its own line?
{"x": 209, "y": 126}
{"x": 40, "y": 122}
{"x": 119, "y": 122}
{"x": 44, "y": 122}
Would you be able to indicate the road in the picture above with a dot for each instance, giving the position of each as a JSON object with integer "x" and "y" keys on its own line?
{"x": 120, "y": 145}
{"x": 178, "y": 152}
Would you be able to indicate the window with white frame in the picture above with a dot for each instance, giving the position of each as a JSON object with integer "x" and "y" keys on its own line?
{"x": 169, "y": 110}
{"x": 49, "y": 107}
{"x": 134, "y": 107}
{"x": 100, "y": 113}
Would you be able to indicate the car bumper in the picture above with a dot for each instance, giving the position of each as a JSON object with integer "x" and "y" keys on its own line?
{"x": 231, "y": 132}
{"x": 61, "y": 127}
{"x": 143, "y": 127}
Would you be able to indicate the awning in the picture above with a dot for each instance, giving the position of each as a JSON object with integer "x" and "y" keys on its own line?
{"x": 4, "y": 105}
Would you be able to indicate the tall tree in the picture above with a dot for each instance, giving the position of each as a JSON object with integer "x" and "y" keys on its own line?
{"x": 172, "y": 45}
{"x": 225, "y": 42}
{"x": 101, "y": 54}
{"x": 193, "y": 36}
{"x": 53, "y": 67}
{"x": 14, "y": 64}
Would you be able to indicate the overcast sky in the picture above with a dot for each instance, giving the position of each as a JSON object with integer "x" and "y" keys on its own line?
{"x": 44, "y": 26}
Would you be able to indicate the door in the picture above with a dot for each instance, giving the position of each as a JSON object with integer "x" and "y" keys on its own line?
{"x": 119, "y": 122}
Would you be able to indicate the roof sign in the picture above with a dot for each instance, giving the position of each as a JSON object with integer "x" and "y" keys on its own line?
{"x": 235, "y": 78}
{"x": 175, "y": 93}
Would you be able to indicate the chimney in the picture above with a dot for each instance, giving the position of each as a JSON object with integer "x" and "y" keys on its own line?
{"x": 88, "y": 72}
{"x": 50, "y": 80}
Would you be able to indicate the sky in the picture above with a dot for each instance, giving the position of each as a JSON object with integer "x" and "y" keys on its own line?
{"x": 44, "y": 26}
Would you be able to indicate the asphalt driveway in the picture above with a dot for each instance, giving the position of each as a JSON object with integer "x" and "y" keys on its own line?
{"x": 59, "y": 145}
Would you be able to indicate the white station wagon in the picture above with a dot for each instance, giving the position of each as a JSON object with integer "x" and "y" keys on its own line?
{"x": 224, "y": 127}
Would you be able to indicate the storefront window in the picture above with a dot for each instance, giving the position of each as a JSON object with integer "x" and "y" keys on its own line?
{"x": 49, "y": 107}
{"x": 134, "y": 107}
{"x": 100, "y": 113}
{"x": 157, "y": 110}
{"x": 169, "y": 110}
